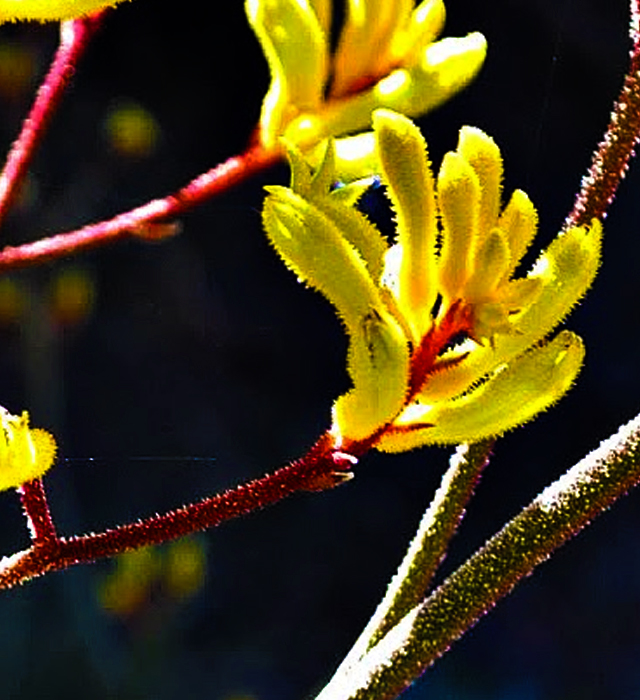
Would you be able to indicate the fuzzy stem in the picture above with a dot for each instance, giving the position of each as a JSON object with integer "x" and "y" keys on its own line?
{"x": 611, "y": 159}
{"x": 75, "y": 36}
{"x": 321, "y": 468}
{"x": 324, "y": 466}
{"x": 427, "y": 550}
{"x": 36, "y": 510}
{"x": 134, "y": 222}
{"x": 561, "y": 511}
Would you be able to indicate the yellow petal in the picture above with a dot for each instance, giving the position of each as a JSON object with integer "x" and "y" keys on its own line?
{"x": 406, "y": 171}
{"x": 515, "y": 394}
{"x": 315, "y": 249}
{"x": 564, "y": 271}
{"x": 379, "y": 367}
{"x": 352, "y": 224}
{"x": 459, "y": 202}
{"x": 444, "y": 69}
{"x": 25, "y": 453}
{"x": 50, "y": 10}
{"x": 519, "y": 221}
{"x": 365, "y": 42}
{"x": 489, "y": 264}
{"x": 483, "y": 155}
{"x": 426, "y": 23}
{"x": 296, "y": 50}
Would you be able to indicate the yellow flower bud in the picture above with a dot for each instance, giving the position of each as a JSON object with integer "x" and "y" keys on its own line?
{"x": 25, "y": 453}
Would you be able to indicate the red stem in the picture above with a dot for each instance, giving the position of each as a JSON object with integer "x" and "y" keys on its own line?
{"x": 324, "y": 466}
{"x": 75, "y": 36}
{"x": 207, "y": 185}
{"x": 36, "y": 510}
{"x": 611, "y": 159}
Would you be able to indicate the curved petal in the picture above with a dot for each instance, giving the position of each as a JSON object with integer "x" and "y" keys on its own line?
{"x": 512, "y": 396}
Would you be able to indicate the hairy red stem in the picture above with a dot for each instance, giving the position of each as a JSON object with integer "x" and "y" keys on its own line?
{"x": 36, "y": 510}
{"x": 75, "y": 36}
{"x": 611, "y": 159}
{"x": 324, "y": 466}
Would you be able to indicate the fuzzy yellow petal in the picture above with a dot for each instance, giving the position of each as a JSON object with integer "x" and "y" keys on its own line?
{"x": 512, "y": 396}
{"x": 483, "y": 155}
{"x": 459, "y": 201}
{"x": 378, "y": 364}
{"x": 410, "y": 186}
{"x": 563, "y": 272}
{"x": 25, "y": 453}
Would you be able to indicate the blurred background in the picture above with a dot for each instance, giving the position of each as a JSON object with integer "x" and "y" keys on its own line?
{"x": 171, "y": 371}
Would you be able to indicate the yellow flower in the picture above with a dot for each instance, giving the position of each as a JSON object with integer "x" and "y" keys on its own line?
{"x": 49, "y": 10}
{"x": 25, "y": 453}
{"x": 447, "y": 345}
{"x": 386, "y": 57}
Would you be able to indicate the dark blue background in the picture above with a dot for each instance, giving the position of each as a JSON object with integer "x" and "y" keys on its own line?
{"x": 206, "y": 346}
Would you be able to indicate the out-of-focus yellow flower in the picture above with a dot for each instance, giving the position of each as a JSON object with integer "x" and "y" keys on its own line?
{"x": 25, "y": 453}
{"x": 50, "y": 10}
{"x": 131, "y": 130}
{"x": 386, "y": 56}
{"x": 449, "y": 273}
{"x": 169, "y": 573}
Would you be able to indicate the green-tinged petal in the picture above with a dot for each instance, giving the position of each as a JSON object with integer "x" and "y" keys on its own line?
{"x": 519, "y": 294}
{"x": 296, "y": 50}
{"x": 352, "y": 224}
{"x": 565, "y": 271}
{"x": 315, "y": 249}
{"x": 489, "y": 264}
{"x": 379, "y": 367}
{"x": 445, "y": 68}
{"x": 519, "y": 221}
{"x": 355, "y": 156}
{"x": 483, "y": 155}
{"x": 459, "y": 202}
{"x": 407, "y": 174}
{"x": 426, "y": 23}
{"x": 528, "y": 385}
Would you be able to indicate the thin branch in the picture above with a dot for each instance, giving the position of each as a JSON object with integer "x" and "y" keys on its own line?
{"x": 611, "y": 159}
{"x": 36, "y": 510}
{"x": 136, "y": 221}
{"x": 326, "y": 465}
{"x": 321, "y": 468}
{"x": 561, "y": 511}
{"x": 75, "y": 36}
{"x": 427, "y": 550}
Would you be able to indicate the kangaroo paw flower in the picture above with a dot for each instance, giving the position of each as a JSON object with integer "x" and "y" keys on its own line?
{"x": 387, "y": 56}
{"x": 447, "y": 345}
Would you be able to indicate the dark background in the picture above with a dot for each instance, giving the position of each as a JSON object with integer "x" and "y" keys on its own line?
{"x": 206, "y": 347}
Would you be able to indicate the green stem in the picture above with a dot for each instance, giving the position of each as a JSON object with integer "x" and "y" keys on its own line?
{"x": 427, "y": 550}
{"x": 561, "y": 511}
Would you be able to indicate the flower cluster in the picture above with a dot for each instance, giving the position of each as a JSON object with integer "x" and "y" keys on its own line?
{"x": 447, "y": 343}
{"x": 386, "y": 56}
{"x": 25, "y": 453}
